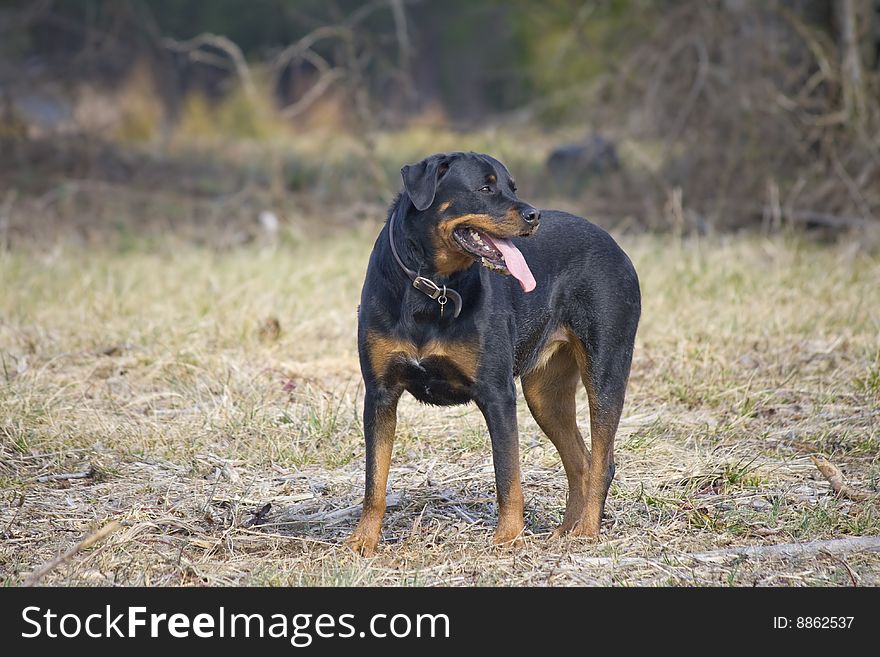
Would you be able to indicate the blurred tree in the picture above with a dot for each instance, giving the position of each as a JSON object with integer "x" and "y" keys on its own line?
{"x": 721, "y": 99}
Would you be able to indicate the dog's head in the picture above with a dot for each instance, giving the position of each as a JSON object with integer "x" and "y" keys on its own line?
{"x": 467, "y": 204}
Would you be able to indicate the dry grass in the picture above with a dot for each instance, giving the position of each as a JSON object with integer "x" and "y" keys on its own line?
{"x": 159, "y": 373}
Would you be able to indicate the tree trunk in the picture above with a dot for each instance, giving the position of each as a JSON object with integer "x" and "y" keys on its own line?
{"x": 854, "y": 100}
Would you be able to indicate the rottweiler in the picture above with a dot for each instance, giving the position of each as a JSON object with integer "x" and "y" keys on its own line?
{"x": 463, "y": 293}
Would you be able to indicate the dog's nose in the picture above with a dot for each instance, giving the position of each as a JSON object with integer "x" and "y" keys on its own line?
{"x": 531, "y": 215}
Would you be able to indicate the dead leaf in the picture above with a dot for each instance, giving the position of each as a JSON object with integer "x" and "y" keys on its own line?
{"x": 835, "y": 477}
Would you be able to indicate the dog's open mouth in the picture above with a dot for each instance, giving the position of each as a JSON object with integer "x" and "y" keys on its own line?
{"x": 496, "y": 253}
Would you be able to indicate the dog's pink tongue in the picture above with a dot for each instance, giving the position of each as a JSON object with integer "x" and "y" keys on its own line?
{"x": 516, "y": 263}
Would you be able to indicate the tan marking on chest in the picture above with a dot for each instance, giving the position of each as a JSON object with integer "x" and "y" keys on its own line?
{"x": 383, "y": 350}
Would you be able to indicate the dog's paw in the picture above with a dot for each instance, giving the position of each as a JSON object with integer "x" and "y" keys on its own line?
{"x": 560, "y": 532}
{"x": 574, "y": 530}
{"x": 510, "y": 537}
{"x": 362, "y": 544}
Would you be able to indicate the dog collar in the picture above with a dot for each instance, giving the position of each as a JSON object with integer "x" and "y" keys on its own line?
{"x": 440, "y": 293}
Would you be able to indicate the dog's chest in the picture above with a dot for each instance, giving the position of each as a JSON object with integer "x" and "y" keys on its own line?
{"x": 440, "y": 372}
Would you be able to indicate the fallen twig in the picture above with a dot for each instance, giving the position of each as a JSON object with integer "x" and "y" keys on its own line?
{"x": 88, "y": 474}
{"x": 458, "y": 510}
{"x": 87, "y": 542}
{"x": 854, "y": 578}
{"x": 832, "y": 547}
{"x": 331, "y": 517}
{"x": 7, "y": 533}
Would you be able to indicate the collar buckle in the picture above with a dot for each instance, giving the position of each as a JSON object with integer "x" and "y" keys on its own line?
{"x": 427, "y": 286}
{"x": 424, "y": 285}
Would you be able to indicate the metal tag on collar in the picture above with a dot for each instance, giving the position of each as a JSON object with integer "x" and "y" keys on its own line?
{"x": 427, "y": 286}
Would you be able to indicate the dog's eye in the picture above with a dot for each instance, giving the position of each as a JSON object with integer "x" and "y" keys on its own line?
{"x": 485, "y": 189}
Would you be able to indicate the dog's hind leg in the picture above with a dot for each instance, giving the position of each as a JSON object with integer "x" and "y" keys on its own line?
{"x": 604, "y": 363}
{"x": 380, "y": 423}
{"x": 550, "y": 394}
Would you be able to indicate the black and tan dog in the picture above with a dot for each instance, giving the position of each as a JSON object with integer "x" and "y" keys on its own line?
{"x": 437, "y": 320}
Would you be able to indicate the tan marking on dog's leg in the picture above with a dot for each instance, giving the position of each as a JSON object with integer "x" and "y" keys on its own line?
{"x": 603, "y": 428}
{"x": 511, "y": 508}
{"x": 550, "y": 394}
{"x": 500, "y": 415}
{"x": 365, "y": 537}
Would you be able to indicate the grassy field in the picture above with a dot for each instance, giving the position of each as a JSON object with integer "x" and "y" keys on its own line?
{"x": 188, "y": 387}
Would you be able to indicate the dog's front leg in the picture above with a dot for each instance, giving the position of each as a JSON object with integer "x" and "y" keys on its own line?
{"x": 500, "y": 413}
{"x": 380, "y": 422}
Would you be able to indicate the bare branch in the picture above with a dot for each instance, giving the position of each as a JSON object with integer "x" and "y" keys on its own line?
{"x": 87, "y": 542}
{"x": 849, "y": 545}
{"x": 296, "y": 50}
{"x": 193, "y": 47}
{"x": 313, "y": 94}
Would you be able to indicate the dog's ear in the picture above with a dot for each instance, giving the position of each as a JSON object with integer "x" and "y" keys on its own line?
{"x": 420, "y": 180}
